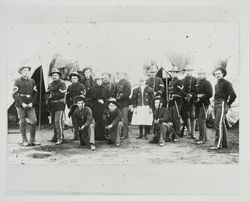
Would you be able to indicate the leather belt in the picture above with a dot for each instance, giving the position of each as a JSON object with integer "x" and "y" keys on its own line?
{"x": 57, "y": 101}
{"x": 200, "y": 95}
{"x": 25, "y": 95}
{"x": 176, "y": 95}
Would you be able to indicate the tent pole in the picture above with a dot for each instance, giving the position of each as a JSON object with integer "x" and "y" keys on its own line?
{"x": 40, "y": 98}
{"x": 166, "y": 77}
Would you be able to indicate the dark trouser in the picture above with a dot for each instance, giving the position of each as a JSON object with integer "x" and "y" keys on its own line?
{"x": 124, "y": 111}
{"x": 188, "y": 115}
{"x": 220, "y": 111}
{"x": 87, "y": 135}
{"x": 76, "y": 133}
{"x": 115, "y": 132}
{"x": 76, "y": 127}
{"x": 57, "y": 122}
{"x": 31, "y": 115}
{"x": 146, "y": 130}
{"x": 202, "y": 116}
{"x": 174, "y": 110}
{"x": 162, "y": 133}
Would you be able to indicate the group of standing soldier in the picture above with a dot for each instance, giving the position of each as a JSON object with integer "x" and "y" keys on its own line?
{"x": 99, "y": 108}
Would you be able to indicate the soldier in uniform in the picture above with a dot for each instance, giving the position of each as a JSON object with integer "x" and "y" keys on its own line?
{"x": 204, "y": 93}
{"x": 56, "y": 104}
{"x": 112, "y": 117}
{"x": 123, "y": 91}
{"x": 74, "y": 90}
{"x": 155, "y": 82}
{"x": 223, "y": 98}
{"x": 142, "y": 100}
{"x": 161, "y": 123}
{"x": 25, "y": 94}
{"x": 98, "y": 96}
{"x": 188, "y": 107}
{"x": 108, "y": 84}
{"x": 176, "y": 93}
{"x": 84, "y": 122}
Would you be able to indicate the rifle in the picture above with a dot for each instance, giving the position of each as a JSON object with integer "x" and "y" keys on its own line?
{"x": 155, "y": 126}
{"x": 48, "y": 96}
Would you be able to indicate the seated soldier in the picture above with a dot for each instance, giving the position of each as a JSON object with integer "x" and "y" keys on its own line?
{"x": 84, "y": 123}
{"x": 161, "y": 123}
{"x": 112, "y": 117}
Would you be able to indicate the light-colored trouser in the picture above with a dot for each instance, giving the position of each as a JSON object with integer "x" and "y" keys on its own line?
{"x": 162, "y": 133}
{"x": 202, "y": 116}
{"x": 115, "y": 132}
{"x": 88, "y": 134}
{"x": 220, "y": 111}
{"x": 57, "y": 121}
{"x": 175, "y": 115}
{"x": 29, "y": 113}
{"x": 124, "y": 111}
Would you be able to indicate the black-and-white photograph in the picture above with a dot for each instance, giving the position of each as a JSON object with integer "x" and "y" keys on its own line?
{"x": 124, "y": 100}
{"x": 100, "y": 93}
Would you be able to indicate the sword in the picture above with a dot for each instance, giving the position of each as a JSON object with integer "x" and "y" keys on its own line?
{"x": 204, "y": 110}
{"x": 177, "y": 108}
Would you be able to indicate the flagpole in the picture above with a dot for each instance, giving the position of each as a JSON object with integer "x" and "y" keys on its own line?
{"x": 40, "y": 97}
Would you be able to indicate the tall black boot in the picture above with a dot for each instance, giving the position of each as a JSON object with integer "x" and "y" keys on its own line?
{"x": 141, "y": 132}
{"x": 147, "y": 131}
{"x": 182, "y": 131}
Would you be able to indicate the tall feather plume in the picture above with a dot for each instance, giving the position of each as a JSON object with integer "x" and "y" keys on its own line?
{"x": 178, "y": 60}
{"x": 222, "y": 62}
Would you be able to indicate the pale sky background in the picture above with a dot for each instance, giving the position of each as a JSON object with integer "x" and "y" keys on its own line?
{"x": 125, "y": 46}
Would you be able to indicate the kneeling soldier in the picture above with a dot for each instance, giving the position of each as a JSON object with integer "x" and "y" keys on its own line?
{"x": 24, "y": 94}
{"x": 74, "y": 90}
{"x": 161, "y": 123}
{"x": 84, "y": 123}
{"x": 113, "y": 120}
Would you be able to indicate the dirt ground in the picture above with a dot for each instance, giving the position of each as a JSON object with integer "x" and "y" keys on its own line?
{"x": 131, "y": 151}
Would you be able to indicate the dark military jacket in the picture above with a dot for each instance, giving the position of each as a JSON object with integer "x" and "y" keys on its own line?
{"x": 74, "y": 90}
{"x": 83, "y": 116}
{"x": 162, "y": 114}
{"x": 176, "y": 91}
{"x": 140, "y": 98}
{"x": 111, "y": 88}
{"x": 112, "y": 117}
{"x": 123, "y": 91}
{"x": 204, "y": 91}
{"x": 97, "y": 92}
{"x": 88, "y": 83}
{"x": 24, "y": 91}
{"x": 189, "y": 83}
{"x": 224, "y": 90}
{"x": 56, "y": 95}
{"x": 156, "y": 84}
